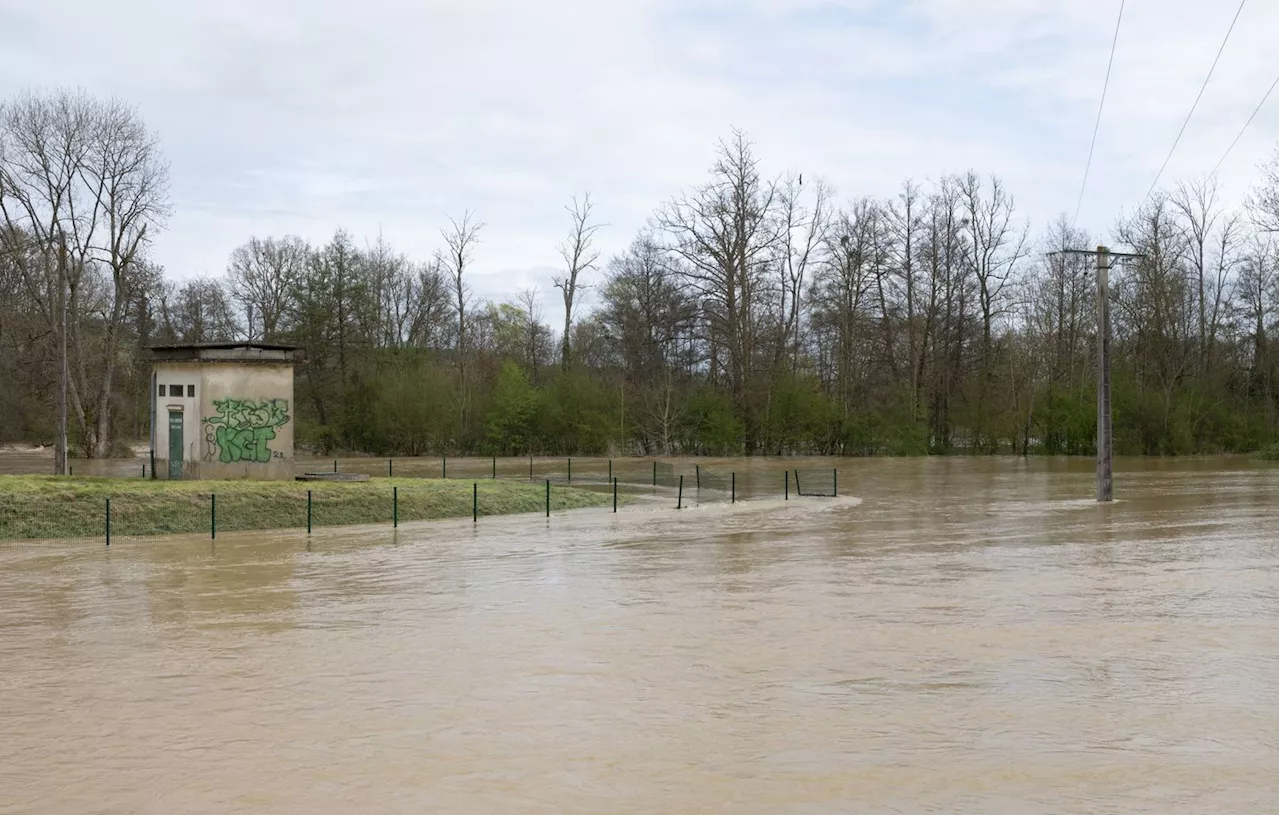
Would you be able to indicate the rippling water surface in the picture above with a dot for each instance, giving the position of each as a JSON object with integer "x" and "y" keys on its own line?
{"x": 957, "y": 635}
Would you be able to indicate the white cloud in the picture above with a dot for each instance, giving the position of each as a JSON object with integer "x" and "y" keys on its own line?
{"x": 388, "y": 116}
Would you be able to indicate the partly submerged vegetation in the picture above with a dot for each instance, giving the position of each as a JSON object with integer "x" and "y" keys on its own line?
{"x": 44, "y": 507}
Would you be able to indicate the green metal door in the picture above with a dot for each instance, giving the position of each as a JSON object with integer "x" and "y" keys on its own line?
{"x": 175, "y": 444}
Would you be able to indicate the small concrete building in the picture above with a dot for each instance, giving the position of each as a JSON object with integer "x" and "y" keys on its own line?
{"x": 222, "y": 410}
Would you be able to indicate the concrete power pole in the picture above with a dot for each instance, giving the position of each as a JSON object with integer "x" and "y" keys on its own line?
{"x": 1104, "y": 257}
{"x": 60, "y": 453}
{"x": 1104, "y": 376}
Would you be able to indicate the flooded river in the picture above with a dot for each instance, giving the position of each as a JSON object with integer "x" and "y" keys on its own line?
{"x": 955, "y": 635}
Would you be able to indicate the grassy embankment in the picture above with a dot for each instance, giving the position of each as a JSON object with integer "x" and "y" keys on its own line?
{"x": 44, "y": 507}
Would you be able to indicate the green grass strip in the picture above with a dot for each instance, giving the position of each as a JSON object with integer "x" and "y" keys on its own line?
{"x": 34, "y": 507}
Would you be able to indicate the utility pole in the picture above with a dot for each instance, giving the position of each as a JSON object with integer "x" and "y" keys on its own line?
{"x": 1104, "y": 447}
{"x": 60, "y": 452}
{"x": 1104, "y": 377}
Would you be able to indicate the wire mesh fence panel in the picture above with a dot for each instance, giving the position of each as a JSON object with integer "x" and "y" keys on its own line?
{"x": 510, "y": 467}
{"x": 414, "y": 467}
{"x": 336, "y": 505}
{"x": 422, "y": 503}
{"x": 633, "y": 470}
{"x": 160, "y": 512}
{"x": 276, "y": 507}
{"x": 713, "y": 480}
{"x": 80, "y": 512}
{"x": 332, "y": 505}
{"x": 52, "y": 516}
{"x": 816, "y": 482}
{"x": 665, "y": 475}
{"x": 470, "y": 468}
{"x": 363, "y": 466}
{"x": 382, "y": 467}
{"x": 592, "y": 470}
{"x": 77, "y": 509}
{"x": 555, "y": 470}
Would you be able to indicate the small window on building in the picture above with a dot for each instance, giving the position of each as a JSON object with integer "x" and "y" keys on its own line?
{"x": 175, "y": 390}
{"x": 162, "y": 390}
{"x": 191, "y": 391}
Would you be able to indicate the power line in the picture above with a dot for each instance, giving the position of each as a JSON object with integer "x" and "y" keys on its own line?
{"x": 1203, "y": 85}
{"x": 1098, "y": 120}
{"x": 1246, "y": 125}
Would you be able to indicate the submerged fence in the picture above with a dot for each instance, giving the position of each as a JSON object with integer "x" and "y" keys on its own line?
{"x": 96, "y": 510}
{"x": 812, "y": 482}
{"x": 689, "y": 480}
{"x": 77, "y": 511}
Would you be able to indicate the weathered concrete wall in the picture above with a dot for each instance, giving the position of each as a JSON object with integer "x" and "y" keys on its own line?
{"x": 246, "y": 413}
{"x": 238, "y": 424}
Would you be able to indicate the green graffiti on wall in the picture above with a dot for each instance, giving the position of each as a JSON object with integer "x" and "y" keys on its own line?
{"x": 243, "y": 427}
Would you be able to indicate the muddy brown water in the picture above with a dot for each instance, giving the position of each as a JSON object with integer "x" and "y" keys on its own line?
{"x": 950, "y": 635}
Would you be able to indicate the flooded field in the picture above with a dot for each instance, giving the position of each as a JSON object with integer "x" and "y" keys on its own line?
{"x": 949, "y": 635}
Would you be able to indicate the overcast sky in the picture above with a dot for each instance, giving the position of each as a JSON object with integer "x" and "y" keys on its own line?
{"x": 285, "y": 116}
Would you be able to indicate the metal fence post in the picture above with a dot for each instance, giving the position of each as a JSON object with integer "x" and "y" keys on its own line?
{"x": 495, "y": 468}
{"x": 655, "y": 473}
{"x": 570, "y": 471}
{"x": 733, "y": 488}
{"x": 335, "y": 465}
{"x": 697, "y": 477}
{"x": 444, "y": 467}
{"x": 144, "y": 471}
{"x": 615, "y": 495}
{"x": 213, "y": 516}
{"x": 786, "y": 485}
{"x": 151, "y": 455}
{"x": 798, "y": 492}
{"x": 610, "y": 469}
{"x": 108, "y": 522}
{"x": 389, "y": 470}
{"x": 308, "y": 512}
{"x": 548, "y": 497}
{"x": 395, "y": 507}
{"x": 530, "y": 468}
{"x": 680, "y": 494}
{"x": 475, "y": 502}
{"x": 834, "y": 491}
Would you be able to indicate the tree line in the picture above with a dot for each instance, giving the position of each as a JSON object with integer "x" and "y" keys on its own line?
{"x": 752, "y": 314}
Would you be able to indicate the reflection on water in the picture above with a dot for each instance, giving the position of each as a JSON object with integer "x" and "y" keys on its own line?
{"x": 963, "y": 636}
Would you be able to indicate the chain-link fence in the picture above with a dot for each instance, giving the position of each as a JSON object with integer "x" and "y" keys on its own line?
{"x": 816, "y": 482}
{"x": 48, "y": 507}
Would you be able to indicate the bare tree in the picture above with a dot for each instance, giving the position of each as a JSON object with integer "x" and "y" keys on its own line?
{"x": 902, "y": 216}
{"x": 460, "y": 242}
{"x": 945, "y": 333}
{"x": 1154, "y": 313}
{"x": 803, "y": 232}
{"x": 429, "y": 296}
{"x": 1210, "y": 241}
{"x": 997, "y": 246}
{"x": 996, "y": 243}
{"x": 533, "y": 331}
{"x": 1264, "y": 198}
{"x": 85, "y": 174}
{"x": 648, "y": 315}
{"x": 199, "y": 310}
{"x": 726, "y": 232}
{"x": 263, "y": 273}
{"x": 1256, "y": 306}
{"x": 842, "y": 285}
{"x": 579, "y": 256}
{"x": 416, "y": 304}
